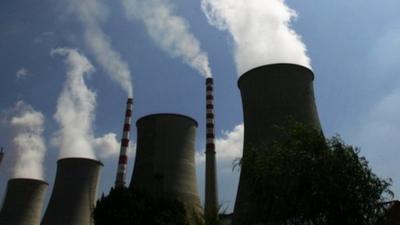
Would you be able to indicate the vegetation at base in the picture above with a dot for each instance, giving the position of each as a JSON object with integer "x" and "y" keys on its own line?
{"x": 309, "y": 180}
{"x": 125, "y": 207}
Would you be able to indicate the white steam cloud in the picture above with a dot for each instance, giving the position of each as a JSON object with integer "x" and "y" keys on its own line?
{"x": 27, "y": 141}
{"x": 260, "y": 30}
{"x": 92, "y": 13}
{"x": 75, "y": 107}
{"x": 169, "y": 31}
{"x": 76, "y": 113}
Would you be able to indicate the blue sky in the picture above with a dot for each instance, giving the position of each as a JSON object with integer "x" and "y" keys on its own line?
{"x": 353, "y": 45}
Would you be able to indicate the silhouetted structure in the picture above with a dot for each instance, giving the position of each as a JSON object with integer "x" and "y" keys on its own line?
{"x": 211, "y": 187}
{"x": 123, "y": 157}
{"x": 23, "y": 202}
{"x": 74, "y": 194}
{"x": 271, "y": 95}
{"x": 165, "y": 158}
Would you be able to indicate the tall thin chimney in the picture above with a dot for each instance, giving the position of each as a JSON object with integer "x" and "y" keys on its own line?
{"x": 1, "y": 154}
{"x": 211, "y": 189}
{"x": 123, "y": 155}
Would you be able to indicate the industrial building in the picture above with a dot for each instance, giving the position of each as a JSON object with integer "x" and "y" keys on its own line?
{"x": 74, "y": 193}
{"x": 271, "y": 95}
{"x": 165, "y": 158}
{"x": 211, "y": 205}
{"x": 23, "y": 202}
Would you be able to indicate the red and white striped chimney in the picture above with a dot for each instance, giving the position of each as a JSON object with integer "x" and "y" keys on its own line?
{"x": 211, "y": 190}
{"x": 123, "y": 156}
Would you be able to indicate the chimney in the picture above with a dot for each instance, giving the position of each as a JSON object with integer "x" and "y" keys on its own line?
{"x": 211, "y": 187}
{"x": 123, "y": 156}
{"x": 23, "y": 202}
{"x": 1, "y": 155}
{"x": 271, "y": 95}
{"x": 165, "y": 163}
{"x": 74, "y": 193}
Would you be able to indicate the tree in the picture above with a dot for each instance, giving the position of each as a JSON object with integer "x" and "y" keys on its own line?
{"x": 126, "y": 207}
{"x": 305, "y": 179}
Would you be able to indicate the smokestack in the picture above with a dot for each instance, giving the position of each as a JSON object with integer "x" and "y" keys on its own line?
{"x": 165, "y": 163}
{"x": 211, "y": 188}
{"x": 271, "y": 95}
{"x": 1, "y": 155}
{"x": 123, "y": 156}
{"x": 74, "y": 194}
{"x": 23, "y": 202}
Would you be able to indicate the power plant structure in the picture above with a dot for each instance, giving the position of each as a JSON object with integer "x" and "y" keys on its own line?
{"x": 165, "y": 158}
{"x": 211, "y": 187}
{"x": 74, "y": 193}
{"x": 271, "y": 95}
{"x": 123, "y": 157}
{"x": 23, "y": 202}
{"x": 1, "y": 155}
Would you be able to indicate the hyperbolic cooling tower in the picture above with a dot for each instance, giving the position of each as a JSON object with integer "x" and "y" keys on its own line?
{"x": 74, "y": 194}
{"x": 271, "y": 95}
{"x": 165, "y": 158}
{"x": 23, "y": 202}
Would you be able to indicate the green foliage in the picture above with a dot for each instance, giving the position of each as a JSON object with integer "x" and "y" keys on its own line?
{"x": 309, "y": 180}
{"x": 126, "y": 207}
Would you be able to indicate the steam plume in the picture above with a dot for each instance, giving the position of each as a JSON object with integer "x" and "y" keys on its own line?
{"x": 92, "y": 13}
{"x": 169, "y": 31}
{"x": 260, "y": 30}
{"x": 75, "y": 107}
{"x": 76, "y": 113}
{"x": 27, "y": 141}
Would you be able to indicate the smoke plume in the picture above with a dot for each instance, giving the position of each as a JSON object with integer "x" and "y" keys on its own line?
{"x": 75, "y": 107}
{"x": 27, "y": 142}
{"x": 260, "y": 30}
{"x": 169, "y": 31}
{"x": 92, "y": 13}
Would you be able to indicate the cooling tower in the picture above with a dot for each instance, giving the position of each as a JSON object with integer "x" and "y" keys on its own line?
{"x": 74, "y": 194}
{"x": 165, "y": 158}
{"x": 23, "y": 202}
{"x": 271, "y": 95}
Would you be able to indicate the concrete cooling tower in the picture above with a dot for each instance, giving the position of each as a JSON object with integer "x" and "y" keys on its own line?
{"x": 271, "y": 95}
{"x": 23, "y": 202}
{"x": 74, "y": 194}
{"x": 165, "y": 158}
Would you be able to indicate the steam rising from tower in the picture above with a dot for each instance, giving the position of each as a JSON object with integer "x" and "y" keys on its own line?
{"x": 261, "y": 31}
{"x": 123, "y": 157}
{"x": 211, "y": 189}
{"x": 169, "y": 31}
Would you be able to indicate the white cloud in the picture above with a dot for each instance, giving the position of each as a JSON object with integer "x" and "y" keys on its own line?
{"x": 23, "y": 74}
{"x": 107, "y": 145}
{"x": 261, "y": 31}
{"x": 27, "y": 141}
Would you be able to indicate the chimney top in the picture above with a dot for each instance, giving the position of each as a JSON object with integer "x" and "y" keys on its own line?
{"x": 130, "y": 101}
{"x": 209, "y": 80}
